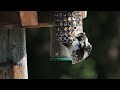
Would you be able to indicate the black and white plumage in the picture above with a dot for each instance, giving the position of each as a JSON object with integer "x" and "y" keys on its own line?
{"x": 80, "y": 48}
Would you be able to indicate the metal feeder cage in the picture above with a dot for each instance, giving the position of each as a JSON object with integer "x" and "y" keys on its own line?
{"x": 68, "y": 26}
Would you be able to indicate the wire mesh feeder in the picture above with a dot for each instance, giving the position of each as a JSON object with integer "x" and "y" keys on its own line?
{"x": 68, "y": 27}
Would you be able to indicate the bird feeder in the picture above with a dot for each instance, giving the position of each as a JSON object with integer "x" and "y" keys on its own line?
{"x": 68, "y": 27}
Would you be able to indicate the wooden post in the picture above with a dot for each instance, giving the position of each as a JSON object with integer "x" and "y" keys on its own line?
{"x": 13, "y": 57}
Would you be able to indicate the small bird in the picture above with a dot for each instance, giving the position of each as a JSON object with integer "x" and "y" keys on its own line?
{"x": 80, "y": 48}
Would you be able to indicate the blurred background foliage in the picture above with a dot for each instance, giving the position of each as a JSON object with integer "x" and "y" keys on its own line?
{"x": 103, "y": 31}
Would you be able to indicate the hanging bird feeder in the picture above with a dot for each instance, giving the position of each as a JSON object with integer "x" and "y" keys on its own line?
{"x": 68, "y": 41}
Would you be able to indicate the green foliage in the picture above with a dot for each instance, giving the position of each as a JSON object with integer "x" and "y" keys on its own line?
{"x": 84, "y": 70}
{"x": 88, "y": 70}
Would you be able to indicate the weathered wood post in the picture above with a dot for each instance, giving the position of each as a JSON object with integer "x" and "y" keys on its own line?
{"x": 13, "y": 56}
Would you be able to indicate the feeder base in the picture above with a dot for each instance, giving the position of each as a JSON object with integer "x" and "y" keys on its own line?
{"x": 60, "y": 59}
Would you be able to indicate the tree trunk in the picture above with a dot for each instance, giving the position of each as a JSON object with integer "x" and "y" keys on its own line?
{"x": 13, "y": 57}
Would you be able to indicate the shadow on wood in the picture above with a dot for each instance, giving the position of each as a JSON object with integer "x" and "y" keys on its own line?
{"x": 13, "y": 57}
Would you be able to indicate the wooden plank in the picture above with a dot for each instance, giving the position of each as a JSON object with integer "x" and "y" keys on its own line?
{"x": 19, "y": 26}
{"x": 28, "y": 18}
{"x": 20, "y": 18}
{"x": 3, "y": 46}
{"x": 25, "y": 19}
{"x": 9, "y": 17}
{"x": 40, "y": 25}
{"x": 13, "y": 57}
